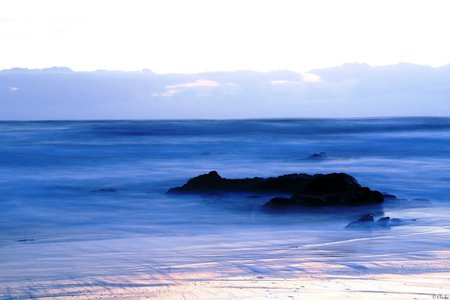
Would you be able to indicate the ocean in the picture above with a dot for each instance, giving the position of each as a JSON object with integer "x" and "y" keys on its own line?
{"x": 84, "y": 210}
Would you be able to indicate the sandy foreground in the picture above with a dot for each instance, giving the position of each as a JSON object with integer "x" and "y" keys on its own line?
{"x": 306, "y": 277}
{"x": 401, "y": 264}
{"x": 210, "y": 286}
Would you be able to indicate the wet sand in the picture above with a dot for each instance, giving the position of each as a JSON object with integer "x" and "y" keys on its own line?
{"x": 193, "y": 268}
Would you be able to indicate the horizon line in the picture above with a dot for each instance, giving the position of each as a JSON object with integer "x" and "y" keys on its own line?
{"x": 230, "y": 119}
{"x": 61, "y": 68}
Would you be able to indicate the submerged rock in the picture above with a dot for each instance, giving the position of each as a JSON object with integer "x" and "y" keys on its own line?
{"x": 384, "y": 221}
{"x": 318, "y": 156}
{"x": 25, "y": 240}
{"x": 363, "y": 221}
{"x": 104, "y": 190}
{"x": 368, "y": 222}
{"x": 336, "y": 189}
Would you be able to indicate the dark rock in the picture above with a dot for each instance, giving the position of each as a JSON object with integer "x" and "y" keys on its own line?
{"x": 389, "y": 196}
{"x": 318, "y": 156}
{"x": 104, "y": 190}
{"x": 214, "y": 183}
{"x": 398, "y": 222}
{"x": 279, "y": 203}
{"x": 336, "y": 189}
{"x": 25, "y": 240}
{"x": 395, "y": 221}
{"x": 331, "y": 183}
{"x": 365, "y": 221}
{"x": 366, "y": 218}
{"x": 384, "y": 221}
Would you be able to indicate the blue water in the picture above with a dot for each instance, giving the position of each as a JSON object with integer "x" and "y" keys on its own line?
{"x": 49, "y": 171}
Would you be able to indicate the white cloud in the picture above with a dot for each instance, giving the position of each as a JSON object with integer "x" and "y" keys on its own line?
{"x": 13, "y": 88}
{"x": 282, "y": 82}
{"x": 193, "y": 84}
{"x": 305, "y": 78}
{"x": 173, "y": 89}
{"x": 311, "y": 77}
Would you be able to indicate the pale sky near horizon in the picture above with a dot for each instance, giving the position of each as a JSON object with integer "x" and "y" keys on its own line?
{"x": 214, "y": 35}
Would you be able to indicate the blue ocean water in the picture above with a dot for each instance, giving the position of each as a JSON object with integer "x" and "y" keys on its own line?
{"x": 51, "y": 210}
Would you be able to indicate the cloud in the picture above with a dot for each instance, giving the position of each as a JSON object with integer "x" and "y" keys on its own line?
{"x": 197, "y": 83}
{"x": 13, "y": 88}
{"x": 305, "y": 78}
{"x": 311, "y": 77}
{"x": 173, "y": 89}
{"x": 282, "y": 82}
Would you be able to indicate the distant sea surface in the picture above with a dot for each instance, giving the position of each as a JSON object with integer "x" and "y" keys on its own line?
{"x": 83, "y": 208}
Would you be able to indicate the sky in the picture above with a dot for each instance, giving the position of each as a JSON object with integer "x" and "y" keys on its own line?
{"x": 190, "y": 36}
{"x": 351, "y": 90}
